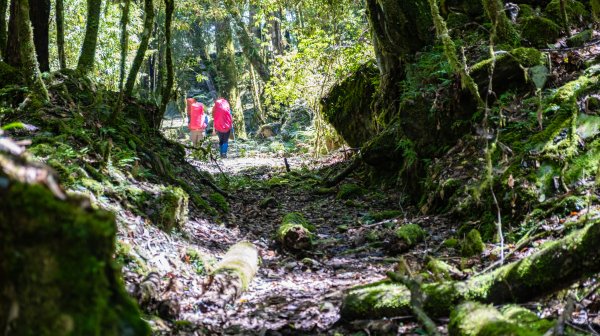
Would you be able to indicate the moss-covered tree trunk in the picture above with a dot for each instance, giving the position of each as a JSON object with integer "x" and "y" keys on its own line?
{"x": 505, "y": 30}
{"x": 228, "y": 73}
{"x": 60, "y": 34}
{"x": 168, "y": 87}
{"x": 57, "y": 275}
{"x": 141, "y": 52}
{"x": 124, "y": 43}
{"x": 555, "y": 267}
{"x": 398, "y": 29}
{"x": 20, "y": 51}
{"x": 249, "y": 47}
{"x": 39, "y": 13}
{"x": 88, "y": 49}
{"x": 3, "y": 26}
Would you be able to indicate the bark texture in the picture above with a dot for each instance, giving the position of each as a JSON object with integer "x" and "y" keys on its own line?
{"x": 168, "y": 87}
{"x": 39, "y": 13}
{"x": 88, "y": 49}
{"x": 20, "y": 51}
{"x": 557, "y": 266}
{"x": 3, "y": 26}
{"x": 228, "y": 73}
{"x": 60, "y": 34}
{"x": 139, "y": 56}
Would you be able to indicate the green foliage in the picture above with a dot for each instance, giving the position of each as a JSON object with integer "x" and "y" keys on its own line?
{"x": 472, "y": 244}
{"x": 383, "y": 215}
{"x": 575, "y": 11}
{"x": 219, "y": 202}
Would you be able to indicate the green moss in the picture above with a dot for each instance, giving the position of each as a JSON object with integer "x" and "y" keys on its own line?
{"x": 472, "y": 244}
{"x": 525, "y": 11}
{"x": 383, "y": 215}
{"x": 584, "y": 165}
{"x": 350, "y": 190}
{"x": 268, "y": 202}
{"x": 219, "y": 201}
{"x": 240, "y": 260}
{"x": 377, "y": 300}
{"x": 57, "y": 264}
{"x": 575, "y": 11}
{"x": 579, "y": 39}
{"x": 540, "y": 31}
{"x": 476, "y": 319}
{"x": 525, "y": 318}
{"x": 325, "y": 191}
{"x": 451, "y": 243}
{"x": 527, "y": 57}
{"x": 411, "y": 234}
{"x": 93, "y": 186}
{"x": 171, "y": 208}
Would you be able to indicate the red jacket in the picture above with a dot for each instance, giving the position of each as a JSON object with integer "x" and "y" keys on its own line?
{"x": 196, "y": 115}
{"x": 222, "y": 115}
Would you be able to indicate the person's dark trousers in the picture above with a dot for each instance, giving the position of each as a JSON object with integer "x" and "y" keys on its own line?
{"x": 223, "y": 142}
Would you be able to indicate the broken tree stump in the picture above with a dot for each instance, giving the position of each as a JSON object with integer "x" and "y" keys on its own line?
{"x": 295, "y": 232}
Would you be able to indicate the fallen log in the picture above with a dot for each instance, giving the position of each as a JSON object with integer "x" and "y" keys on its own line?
{"x": 555, "y": 267}
{"x": 231, "y": 276}
{"x": 295, "y": 232}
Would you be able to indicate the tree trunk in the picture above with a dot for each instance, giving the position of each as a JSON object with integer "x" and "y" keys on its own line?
{"x": 3, "y": 27}
{"x": 39, "y": 13}
{"x": 555, "y": 267}
{"x": 88, "y": 49}
{"x": 505, "y": 30}
{"x": 275, "y": 31}
{"x": 168, "y": 87}
{"x": 259, "y": 115}
{"x": 228, "y": 74}
{"x": 139, "y": 56}
{"x": 20, "y": 51}
{"x": 399, "y": 29}
{"x": 246, "y": 41}
{"x": 122, "y": 61}
{"x": 60, "y": 34}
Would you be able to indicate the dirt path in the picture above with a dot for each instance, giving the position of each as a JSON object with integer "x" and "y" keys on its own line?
{"x": 291, "y": 294}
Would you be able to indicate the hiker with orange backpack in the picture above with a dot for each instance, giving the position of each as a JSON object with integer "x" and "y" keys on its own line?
{"x": 223, "y": 124}
{"x": 198, "y": 120}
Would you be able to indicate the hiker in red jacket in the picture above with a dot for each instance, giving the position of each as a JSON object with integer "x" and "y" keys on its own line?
{"x": 223, "y": 124}
{"x": 197, "y": 120}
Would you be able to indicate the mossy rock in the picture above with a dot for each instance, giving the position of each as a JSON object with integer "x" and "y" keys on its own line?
{"x": 473, "y": 318}
{"x": 268, "y": 202}
{"x": 576, "y": 11}
{"x": 57, "y": 267}
{"x": 472, "y": 244}
{"x": 451, "y": 243}
{"x": 525, "y": 11}
{"x": 579, "y": 39}
{"x": 540, "y": 31}
{"x": 219, "y": 201}
{"x": 404, "y": 238}
{"x": 350, "y": 190}
{"x": 509, "y": 70}
{"x": 171, "y": 208}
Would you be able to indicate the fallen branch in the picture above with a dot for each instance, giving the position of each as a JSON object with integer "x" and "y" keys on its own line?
{"x": 347, "y": 171}
{"x": 555, "y": 267}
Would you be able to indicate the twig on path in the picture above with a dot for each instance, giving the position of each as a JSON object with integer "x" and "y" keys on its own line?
{"x": 287, "y": 165}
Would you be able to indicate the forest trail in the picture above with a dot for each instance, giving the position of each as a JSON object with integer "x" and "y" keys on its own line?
{"x": 291, "y": 293}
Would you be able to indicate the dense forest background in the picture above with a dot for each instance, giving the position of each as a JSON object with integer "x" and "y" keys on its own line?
{"x": 397, "y": 167}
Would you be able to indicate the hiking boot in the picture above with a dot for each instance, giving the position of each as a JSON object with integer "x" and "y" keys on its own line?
{"x": 223, "y": 155}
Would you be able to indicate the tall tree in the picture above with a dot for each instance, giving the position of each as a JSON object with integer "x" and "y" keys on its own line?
{"x": 39, "y": 13}
{"x": 124, "y": 42}
{"x": 141, "y": 52}
{"x": 60, "y": 33}
{"x": 168, "y": 87}
{"x": 3, "y": 8}
{"x": 88, "y": 49}
{"x": 251, "y": 51}
{"x": 20, "y": 51}
{"x": 228, "y": 74}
